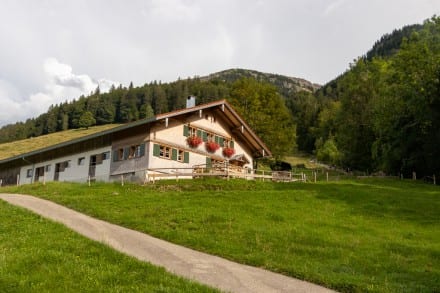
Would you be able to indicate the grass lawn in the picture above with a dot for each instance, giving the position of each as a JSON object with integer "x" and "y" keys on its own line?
{"x": 367, "y": 235}
{"x": 37, "y": 255}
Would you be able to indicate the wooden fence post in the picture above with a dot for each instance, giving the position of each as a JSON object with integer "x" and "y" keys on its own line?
{"x": 1, "y": 182}
{"x": 326, "y": 176}
{"x": 315, "y": 175}
{"x": 414, "y": 175}
{"x": 433, "y": 177}
{"x": 18, "y": 179}
{"x": 122, "y": 180}
{"x": 88, "y": 180}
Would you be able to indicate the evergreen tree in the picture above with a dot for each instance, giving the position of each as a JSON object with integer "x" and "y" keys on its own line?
{"x": 86, "y": 120}
{"x": 146, "y": 111}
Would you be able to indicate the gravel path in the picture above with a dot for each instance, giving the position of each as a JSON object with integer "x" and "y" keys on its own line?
{"x": 204, "y": 268}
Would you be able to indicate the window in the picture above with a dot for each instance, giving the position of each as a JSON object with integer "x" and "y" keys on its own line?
{"x": 192, "y": 131}
{"x": 228, "y": 143}
{"x": 120, "y": 154}
{"x": 165, "y": 152}
{"x": 170, "y": 153}
{"x": 81, "y": 161}
{"x": 125, "y": 153}
{"x": 29, "y": 173}
{"x": 106, "y": 156}
{"x": 60, "y": 167}
{"x": 135, "y": 151}
{"x": 48, "y": 167}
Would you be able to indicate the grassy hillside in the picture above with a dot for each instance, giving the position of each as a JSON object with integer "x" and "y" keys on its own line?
{"x": 37, "y": 255}
{"x": 15, "y": 148}
{"x": 369, "y": 235}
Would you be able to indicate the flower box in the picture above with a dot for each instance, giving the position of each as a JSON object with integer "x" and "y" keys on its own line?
{"x": 212, "y": 146}
{"x": 228, "y": 152}
{"x": 194, "y": 141}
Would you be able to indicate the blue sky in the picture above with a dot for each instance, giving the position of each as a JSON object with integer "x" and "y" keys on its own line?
{"x": 55, "y": 50}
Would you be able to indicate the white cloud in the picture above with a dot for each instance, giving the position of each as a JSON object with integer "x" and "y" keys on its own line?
{"x": 334, "y": 5}
{"x": 61, "y": 85}
{"x": 174, "y": 10}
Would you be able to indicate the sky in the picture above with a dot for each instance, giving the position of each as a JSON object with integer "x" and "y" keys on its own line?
{"x": 53, "y": 51}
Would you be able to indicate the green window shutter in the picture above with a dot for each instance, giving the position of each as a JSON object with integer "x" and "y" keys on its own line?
{"x": 231, "y": 144}
{"x": 199, "y": 133}
{"x": 186, "y": 157}
{"x": 174, "y": 154}
{"x": 208, "y": 162}
{"x": 216, "y": 139}
{"x": 126, "y": 153}
{"x": 220, "y": 141}
{"x": 142, "y": 150}
{"x": 156, "y": 150}
{"x": 115, "y": 155}
{"x": 185, "y": 130}
{"x": 204, "y": 136}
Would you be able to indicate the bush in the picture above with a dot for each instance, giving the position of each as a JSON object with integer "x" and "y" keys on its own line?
{"x": 280, "y": 166}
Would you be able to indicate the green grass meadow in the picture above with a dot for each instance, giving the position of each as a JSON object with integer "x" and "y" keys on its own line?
{"x": 37, "y": 255}
{"x": 352, "y": 236}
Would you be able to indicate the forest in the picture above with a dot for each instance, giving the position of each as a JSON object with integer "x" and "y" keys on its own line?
{"x": 382, "y": 114}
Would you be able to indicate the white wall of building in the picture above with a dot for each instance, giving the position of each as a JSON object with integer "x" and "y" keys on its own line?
{"x": 74, "y": 172}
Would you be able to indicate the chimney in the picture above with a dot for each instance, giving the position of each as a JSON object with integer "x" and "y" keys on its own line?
{"x": 190, "y": 101}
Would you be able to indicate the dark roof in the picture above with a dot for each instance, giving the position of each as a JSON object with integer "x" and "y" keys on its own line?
{"x": 239, "y": 127}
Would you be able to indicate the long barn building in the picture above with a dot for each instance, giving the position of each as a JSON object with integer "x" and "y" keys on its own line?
{"x": 185, "y": 139}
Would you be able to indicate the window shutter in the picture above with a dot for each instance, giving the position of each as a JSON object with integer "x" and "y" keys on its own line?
{"x": 156, "y": 150}
{"x": 174, "y": 154}
{"x": 231, "y": 144}
{"x": 208, "y": 162}
{"x": 186, "y": 157}
{"x": 199, "y": 133}
{"x": 115, "y": 155}
{"x": 204, "y": 136}
{"x": 185, "y": 130}
{"x": 216, "y": 139}
{"x": 126, "y": 152}
{"x": 221, "y": 141}
{"x": 142, "y": 150}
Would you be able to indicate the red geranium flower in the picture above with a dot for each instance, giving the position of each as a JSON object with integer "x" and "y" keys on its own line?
{"x": 228, "y": 152}
{"x": 212, "y": 146}
{"x": 194, "y": 141}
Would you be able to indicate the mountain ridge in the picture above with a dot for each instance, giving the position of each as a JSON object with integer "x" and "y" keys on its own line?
{"x": 288, "y": 82}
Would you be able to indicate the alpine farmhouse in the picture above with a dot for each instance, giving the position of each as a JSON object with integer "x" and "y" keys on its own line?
{"x": 183, "y": 141}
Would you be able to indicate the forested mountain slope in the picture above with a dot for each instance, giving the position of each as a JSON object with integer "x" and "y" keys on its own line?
{"x": 384, "y": 112}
